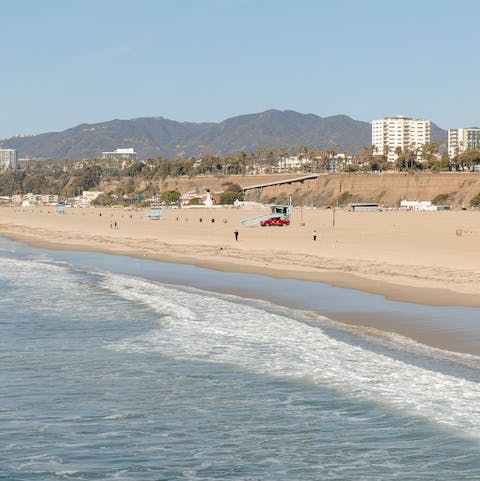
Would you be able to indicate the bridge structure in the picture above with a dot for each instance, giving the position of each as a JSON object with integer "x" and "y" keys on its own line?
{"x": 301, "y": 179}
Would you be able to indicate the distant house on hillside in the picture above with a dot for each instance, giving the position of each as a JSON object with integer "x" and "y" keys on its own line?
{"x": 198, "y": 198}
{"x": 291, "y": 163}
{"x": 88, "y": 196}
{"x": 125, "y": 154}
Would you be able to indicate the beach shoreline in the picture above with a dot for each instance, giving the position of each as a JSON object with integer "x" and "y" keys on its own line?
{"x": 356, "y": 255}
{"x": 391, "y": 291}
{"x": 210, "y": 246}
{"x": 379, "y": 319}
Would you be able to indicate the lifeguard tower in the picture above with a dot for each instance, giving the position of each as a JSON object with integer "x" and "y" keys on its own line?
{"x": 155, "y": 212}
{"x": 282, "y": 211}
{"x": 60, "y": 208}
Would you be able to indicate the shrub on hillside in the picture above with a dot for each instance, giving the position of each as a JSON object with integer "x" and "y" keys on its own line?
{"x": 195, "y": 201}
{"x": 346, "y": 197}
{"x": 170, "y": 196}
{"x": 232, "y": 187}
{"x": 441, "y": 199}
{"x": 475, "y": 200}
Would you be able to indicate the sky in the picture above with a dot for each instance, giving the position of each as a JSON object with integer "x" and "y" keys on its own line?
{"x": 67, "y": 62}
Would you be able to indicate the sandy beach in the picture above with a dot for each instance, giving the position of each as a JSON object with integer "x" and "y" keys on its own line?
{"x": 422, "y": 257}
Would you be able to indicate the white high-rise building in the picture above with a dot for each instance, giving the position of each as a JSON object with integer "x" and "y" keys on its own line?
{"x": 8, "y": 159}
{"x": 460, "y": 140}
{"x": 399, "y": 131}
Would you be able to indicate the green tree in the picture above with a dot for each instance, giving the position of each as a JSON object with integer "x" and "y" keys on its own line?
{"x": 232, "y": 187}
{"x": 379, "y": 163}
{"x": 170, "y": 196}
{"x": 90, "y": 177}
{"x": 229, "y": 197}
{"x": 134, "y": 169}
{"x": 442, "y": 164}
{"x": 469, "y": 159}
{"x": 429, "y": 152}
{"x": 366, "y": 154}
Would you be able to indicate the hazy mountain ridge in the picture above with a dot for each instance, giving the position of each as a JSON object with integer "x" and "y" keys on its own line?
{"x": 155, "y": 136}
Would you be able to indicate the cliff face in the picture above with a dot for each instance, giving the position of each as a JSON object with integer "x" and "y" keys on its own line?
{"x": 455, "y": 189}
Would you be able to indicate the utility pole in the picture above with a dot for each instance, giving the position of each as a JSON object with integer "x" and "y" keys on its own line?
{"x": 333, "y": 212}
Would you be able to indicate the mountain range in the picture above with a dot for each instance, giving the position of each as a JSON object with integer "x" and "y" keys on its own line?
{"x": 156, "y": 136}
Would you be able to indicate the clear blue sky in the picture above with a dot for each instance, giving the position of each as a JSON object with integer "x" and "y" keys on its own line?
{"x": 65, "y": 62}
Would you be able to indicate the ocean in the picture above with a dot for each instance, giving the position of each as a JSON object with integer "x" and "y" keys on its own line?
{"x": 113, "y": 368}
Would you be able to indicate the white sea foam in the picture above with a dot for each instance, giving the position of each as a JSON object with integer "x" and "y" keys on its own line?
{"x": 196, "y": 325}
{"x": 35, "y": 273}
{"x": 214, "y": 329}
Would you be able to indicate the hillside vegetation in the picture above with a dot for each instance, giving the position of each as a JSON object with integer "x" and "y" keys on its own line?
{"x": 157, "y": 136}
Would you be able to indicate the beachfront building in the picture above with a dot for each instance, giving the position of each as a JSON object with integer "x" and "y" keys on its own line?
{"x": 88, "y": 196}
{"x": 292, "y": 163}
{"x": 460, "y": 140}
{"x": 392, "y": 133}
{"x": 8, "y": 159}
{"x": 35, "y": 199}
{"x": 122, "y": 154}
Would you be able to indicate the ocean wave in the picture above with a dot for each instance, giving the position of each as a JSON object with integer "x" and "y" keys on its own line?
{"x": 196, "y": 325}
{"x": 215, "y": 329}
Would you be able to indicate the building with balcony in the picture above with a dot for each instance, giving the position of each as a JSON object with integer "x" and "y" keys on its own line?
{"x": 8, "y": 159}
{"x": 460, "y": 140}
{"x": 392, "y": 133}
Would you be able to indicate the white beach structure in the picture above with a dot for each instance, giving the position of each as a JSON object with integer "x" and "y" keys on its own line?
{"x": 208, "y": 200}
{"x": 423, "y": 205}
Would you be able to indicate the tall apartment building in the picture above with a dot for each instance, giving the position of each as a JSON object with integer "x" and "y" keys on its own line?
{"x": 399, "y": 131}
{"x": 8, "y": 159}
{"x": 460, "y": 140}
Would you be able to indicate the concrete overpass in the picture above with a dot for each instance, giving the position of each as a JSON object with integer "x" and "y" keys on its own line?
{"x": 282, "y": 182}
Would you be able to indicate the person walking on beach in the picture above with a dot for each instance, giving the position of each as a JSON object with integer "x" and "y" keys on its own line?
{"x": 314, "y": 234}
{"x": 236, "y": 234}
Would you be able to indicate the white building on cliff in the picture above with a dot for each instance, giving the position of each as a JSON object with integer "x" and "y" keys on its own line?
{"x": 392, "y": 132}
{"x": 8, "y": 159}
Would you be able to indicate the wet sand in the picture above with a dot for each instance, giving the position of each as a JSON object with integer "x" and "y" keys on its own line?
{"x": 423, "y": 257}
{"x": 365, "y": 251}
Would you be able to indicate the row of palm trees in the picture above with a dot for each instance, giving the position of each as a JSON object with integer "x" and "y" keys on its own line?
{"x": 70, "y": 176}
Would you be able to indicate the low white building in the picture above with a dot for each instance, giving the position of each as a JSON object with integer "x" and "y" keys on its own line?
{"x": 88, "y": 196}
{"x": 423, "y": 205}
{"x": 125, "y": 154}
{"x": 35, "y": 199}
{"x": 187, "y": 197}
{"x": 292, "y": 163}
